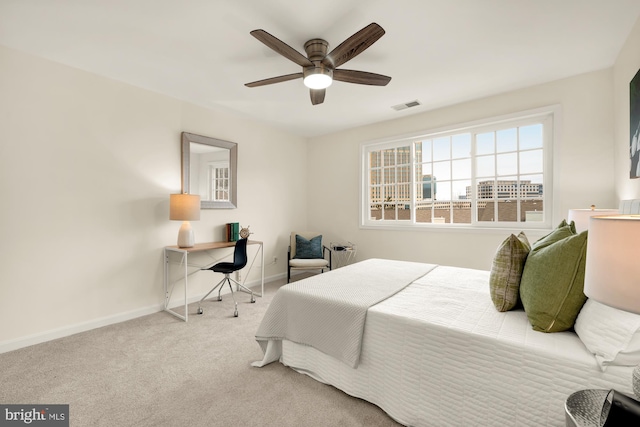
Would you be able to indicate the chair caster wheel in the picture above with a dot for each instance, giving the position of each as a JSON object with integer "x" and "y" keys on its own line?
{"x": 219, "y": 298}
{"x": 253, "y": 300}
{"x": 235, "y": 314}
{"x": 200, "y": 311}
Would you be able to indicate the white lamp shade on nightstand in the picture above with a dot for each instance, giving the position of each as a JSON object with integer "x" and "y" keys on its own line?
{"x": 185, "y": 208}
{"x": 612, "y": 272}
{"x": 581, "y": 216}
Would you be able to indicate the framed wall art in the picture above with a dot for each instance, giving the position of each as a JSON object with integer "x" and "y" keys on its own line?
{"x": 634, "y": 122}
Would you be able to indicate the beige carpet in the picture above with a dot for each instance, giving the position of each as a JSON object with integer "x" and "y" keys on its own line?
{"x": 159, "y": 371}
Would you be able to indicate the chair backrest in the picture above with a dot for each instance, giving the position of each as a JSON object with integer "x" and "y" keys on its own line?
{"x": 240, "y": 254}
{"x": 306, "y": 234}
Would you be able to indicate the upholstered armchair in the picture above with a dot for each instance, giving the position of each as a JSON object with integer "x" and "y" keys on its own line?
{"x": 306, "y": 252}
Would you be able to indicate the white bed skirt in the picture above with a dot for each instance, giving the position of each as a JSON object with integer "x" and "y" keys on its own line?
{"x": 450, "y": 359}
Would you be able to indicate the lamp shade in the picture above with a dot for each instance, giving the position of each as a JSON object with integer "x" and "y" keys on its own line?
{"x": 612, "y": 273}
{"x": 581, "y": 216}
{"x": 184, "y": 207}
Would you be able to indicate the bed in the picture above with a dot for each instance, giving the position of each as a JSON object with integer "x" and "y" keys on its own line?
{"x": 434, "y": 351}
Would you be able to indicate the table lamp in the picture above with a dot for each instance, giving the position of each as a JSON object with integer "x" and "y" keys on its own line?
{"x": 612, "y": 272}
{"x": 185, "y": 208}
{"x": 581, "y": 216}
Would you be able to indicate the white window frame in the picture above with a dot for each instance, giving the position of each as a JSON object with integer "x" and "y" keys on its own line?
{"x": 213, "y": 180}
{"x": 548, "y": 116}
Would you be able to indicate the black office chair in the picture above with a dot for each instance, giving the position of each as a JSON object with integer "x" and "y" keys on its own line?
{"x": 239, "y": 261}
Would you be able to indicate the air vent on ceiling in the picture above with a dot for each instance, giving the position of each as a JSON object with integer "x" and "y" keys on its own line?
{"x": 406, "y": 105}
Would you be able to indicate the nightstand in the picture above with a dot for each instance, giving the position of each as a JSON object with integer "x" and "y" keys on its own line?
{"x": 342, "y": 254}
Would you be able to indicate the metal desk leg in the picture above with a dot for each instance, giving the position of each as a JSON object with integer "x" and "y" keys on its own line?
{"x": 168, "y": 293}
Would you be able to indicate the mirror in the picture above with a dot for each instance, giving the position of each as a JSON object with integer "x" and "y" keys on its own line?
{"x": 209, "y": 168}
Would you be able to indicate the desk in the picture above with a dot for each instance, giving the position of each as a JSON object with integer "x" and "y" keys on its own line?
{"x": 184, "y": 263}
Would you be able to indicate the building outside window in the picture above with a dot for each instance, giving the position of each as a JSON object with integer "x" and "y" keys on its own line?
{"x": 493, "y": 173}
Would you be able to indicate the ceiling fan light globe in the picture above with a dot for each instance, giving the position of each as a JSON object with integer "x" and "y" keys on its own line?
{"x": 317, "y": 81}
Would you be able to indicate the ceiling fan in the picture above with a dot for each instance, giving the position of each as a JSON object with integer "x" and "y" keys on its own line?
{"x": 319, "y": 69}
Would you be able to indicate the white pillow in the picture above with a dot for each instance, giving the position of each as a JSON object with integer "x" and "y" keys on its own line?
{"x": 612, "y": 335}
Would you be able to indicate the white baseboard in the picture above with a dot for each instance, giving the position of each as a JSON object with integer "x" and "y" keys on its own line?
{"x": 29, "y": 340}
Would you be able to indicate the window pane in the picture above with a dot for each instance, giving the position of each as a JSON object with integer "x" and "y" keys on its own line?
{"x": 531, "y": 186}
{"x": 376, "y": 177}
{"x": 389, "y": 157}
{"x": 507, "y": 188}
{"x": 389, "y": 175}
{"x": 507, "y": 140}
{"x": 531, "y": 161}
{"x": 441, "y": 148}
{"x": 461, "y": 169}
{"x": 404, "y": 193}
{"x": 484, "y": 143}
{"x": 375, "y": 159}
{"x": 389, "y": 211}
{"x": 425, "y": 188}
{"x": 442, "y": 170}
{"x": 486, "y": 189}
{"x": 461, "y": 146}
{"x": 532, "y": 210}
{"x": 423, "y": 151}
{"x": 507, "y": 164}
{"x": 443, "y": 190}
{"x": 404, "y": 174}
{"x": 507, "y": 210}
{"x": 461, "y": 212}
{"x": 441, "y": 213}
{"x": 403, "y": 155}
{"x": 459, "y": 189}
{"x": 423, "y": 212}
{"x": 485, "y": 166}
{"x": 486, "y": 211}
{"x": 375, "y": 212}
{"x": 530, "y": 136}
{"x": 423, "y": 169}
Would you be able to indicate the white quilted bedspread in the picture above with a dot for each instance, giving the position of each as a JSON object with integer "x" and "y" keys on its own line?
{"x": 439, "y": 354}
{"x": 328, "y": 311}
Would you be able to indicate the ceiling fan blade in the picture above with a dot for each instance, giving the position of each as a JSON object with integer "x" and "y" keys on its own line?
{"x": 317, "y": 96}
{"x": 281, "y": 47}
{"x": 273, "y": 80}
{"x": 354, "y": 45}
{"x": 361, "y": 77}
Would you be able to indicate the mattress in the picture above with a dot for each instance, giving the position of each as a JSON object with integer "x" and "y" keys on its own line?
{"x": 439, "y": 354}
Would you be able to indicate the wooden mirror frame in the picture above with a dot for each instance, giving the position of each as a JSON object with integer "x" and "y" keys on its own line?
{"x": 187, "y": 139}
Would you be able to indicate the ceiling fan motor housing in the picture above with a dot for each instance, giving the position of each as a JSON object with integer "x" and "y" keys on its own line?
{"x": 316, "y": 49}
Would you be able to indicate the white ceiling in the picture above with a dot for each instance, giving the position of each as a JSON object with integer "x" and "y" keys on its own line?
{"x": 439, "y": 52}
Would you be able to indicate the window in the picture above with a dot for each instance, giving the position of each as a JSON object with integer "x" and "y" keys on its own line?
{"x": 494, "y": 173}
{"x": 219, "y": 179}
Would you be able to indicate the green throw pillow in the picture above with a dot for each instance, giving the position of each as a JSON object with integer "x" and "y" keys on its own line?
{"x": 560, "y": 232}
{"x": 506, "y": 271}
{"x": 308, "y": 249}
{"x": 551, "y": 288}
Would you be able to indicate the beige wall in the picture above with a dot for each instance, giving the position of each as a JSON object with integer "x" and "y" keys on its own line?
{"x": 627, "y": 65}
{"x": 86, "y": 168}
{"x": 583, "y": 170}
{"x": 87, "y": 164}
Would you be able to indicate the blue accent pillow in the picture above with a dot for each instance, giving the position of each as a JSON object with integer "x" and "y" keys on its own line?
{"x": 308, "y": 249}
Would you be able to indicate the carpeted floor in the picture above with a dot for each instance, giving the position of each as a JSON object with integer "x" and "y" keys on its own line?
{"x": 159, "y": 371}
